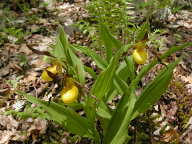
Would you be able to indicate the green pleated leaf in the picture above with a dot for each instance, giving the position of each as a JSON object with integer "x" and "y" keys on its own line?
{"x": 78, "y": 66}
{"x": 103, "y": 110}
{"x": 124, "y": 73}
{"x": 105, "y": 79}
{"x": 117, "y": 132}
{"x": 120, "y": 84}
{"x": 63, "y": 51}
{"x": 90, "y": 71}
{"x": 142, "y": 31}
{"x": 66, "y": 117}
{"x": 152, "y": 93}
{"x": 130, "y": 67}
{"x": 174, "y": 49}
{"x": 117, "y": 125}
{"x": 110, "y": 43}
{"x": 90, "y": 108}
{"x": 58, "y": 50}
{"x": 100, "y": 62}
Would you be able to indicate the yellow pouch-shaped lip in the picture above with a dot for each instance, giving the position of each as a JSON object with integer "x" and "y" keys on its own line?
{"x": 45, "y": 76}
{"x": 69, "y": 94}
{"x": 140, "y": 56}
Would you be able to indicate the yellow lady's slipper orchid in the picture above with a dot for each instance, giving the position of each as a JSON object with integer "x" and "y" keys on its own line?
{"x": 58, "y": 68}
{"x": 140, "y": 45}
{"x": 55, "y": 69}
{"x": 69, "y": 94}
{"x": 140, "y": 56}
{"x": 45, "y": 76}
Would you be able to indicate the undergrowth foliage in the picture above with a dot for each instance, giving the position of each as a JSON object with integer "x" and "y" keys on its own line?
{"x": 117, "y": 77}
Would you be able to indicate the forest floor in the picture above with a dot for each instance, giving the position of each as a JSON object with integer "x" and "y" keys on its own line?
{"x": 21, "y": 68}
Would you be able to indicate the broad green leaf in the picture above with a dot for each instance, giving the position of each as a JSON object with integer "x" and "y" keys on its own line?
{"x": 65, "y": 44}
{"x": 110, "y": 43}
{"x": 103, "y": 110}
{"x": 64, "y": 52}
{"x": 154, "y": 90}
{"x": 98, "y": 60}
{"x": 105, "y": 79}
{"x": 120, "y": 84}
{"x": 125, "y": 72}
{"x": 122, "y": 71}
{"x": 118, "y": 125}
{"x": 78, "y": 65}
{"x": 111, "y": 94}
{"x": 118, "y": 117}
{"x": 121, "y": 74}
{"x": 146, "y": 68}
{"x": 130, "y": 67}
{"x": 142, "y": 31}
{"x": 175, "y": 49}
{"x": 65, "y": 116}
{"x": 90, "y": 108}
{"x": 58, "y": 51}
{"x": 90, "y": 71}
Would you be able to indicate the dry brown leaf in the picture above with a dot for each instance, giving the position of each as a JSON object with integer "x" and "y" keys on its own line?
{"x": 5, "y": 136}
{"x": 31, "y": 76}
{"x": 38, "y": 124}
{"x": 8, "y": 122}
{"x": 170, "y": 136}
{"x": 4, "y": 71}
{"x": 24, "y": 49}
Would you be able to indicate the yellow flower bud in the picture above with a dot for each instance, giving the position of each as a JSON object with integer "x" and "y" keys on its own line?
{"x": 140, "y": 56}
{"x": 69, "y": 94}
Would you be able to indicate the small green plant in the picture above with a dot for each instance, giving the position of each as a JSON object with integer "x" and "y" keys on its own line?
{"x": 23, "y": 5}
{"x": 14, "y": 34}
{"x": 14, "y": 82}
{"x": 114, "y": 14}
{"x": 23, "y": 61}
{"x": 34, "y": 112}
{"x": 117, "y": 77}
